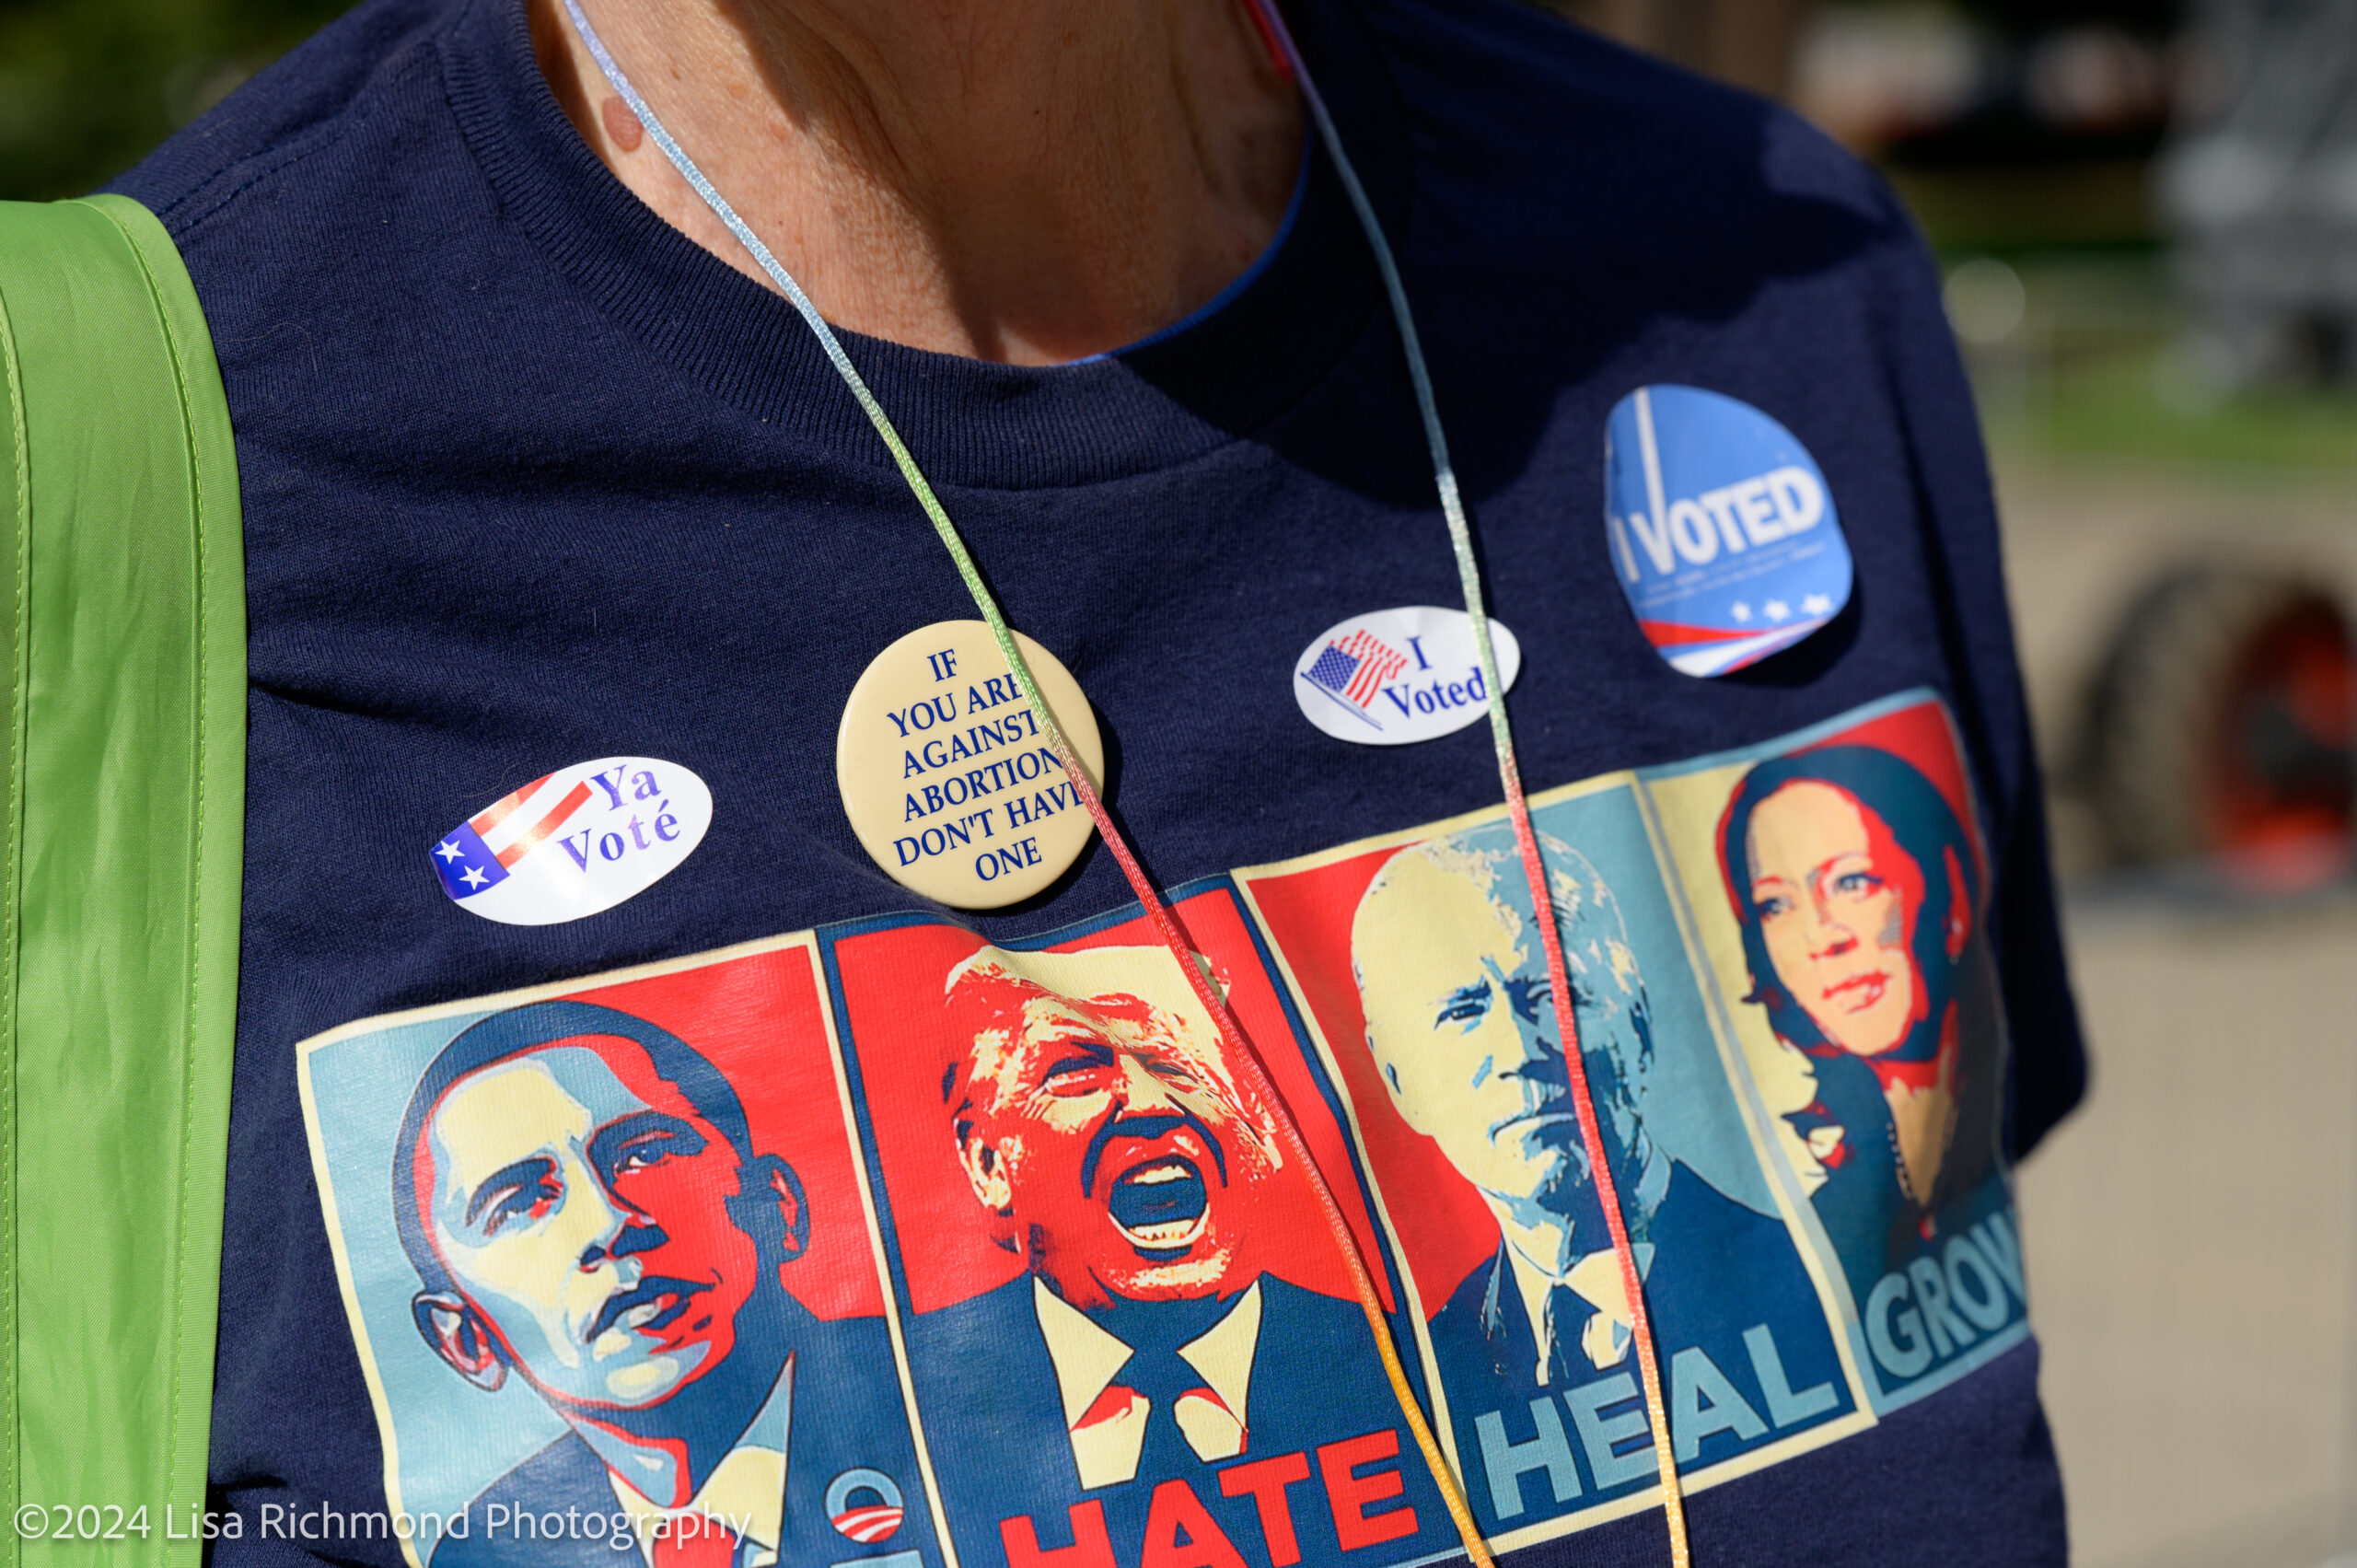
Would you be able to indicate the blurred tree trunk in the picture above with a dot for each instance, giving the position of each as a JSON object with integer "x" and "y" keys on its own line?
{"x": 1748, "y": 42}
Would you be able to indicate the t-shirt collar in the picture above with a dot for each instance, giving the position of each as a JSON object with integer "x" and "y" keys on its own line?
{"x": 1173, "y": 397}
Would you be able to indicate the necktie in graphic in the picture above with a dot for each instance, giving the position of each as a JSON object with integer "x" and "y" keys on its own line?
{"x": 1567, "y": 1315}
{"x": 1162, "y": 1376}
{"x": 1156, "y": 1371}
{"x": 696, "y": 1540}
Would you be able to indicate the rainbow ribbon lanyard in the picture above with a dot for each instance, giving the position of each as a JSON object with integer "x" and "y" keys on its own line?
{"x": 1157, "y": 912}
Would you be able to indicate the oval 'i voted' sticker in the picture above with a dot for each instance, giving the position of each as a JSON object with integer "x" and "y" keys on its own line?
{"x": 1723, "y": 528}
{"x": 574, "y": 841}
{"x": 1395, "y": 677}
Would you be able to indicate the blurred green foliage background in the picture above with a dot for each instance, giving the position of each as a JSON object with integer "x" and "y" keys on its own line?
{"x": 87, "y": 87}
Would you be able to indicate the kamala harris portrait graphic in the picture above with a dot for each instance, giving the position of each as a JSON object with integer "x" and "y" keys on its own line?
{"x": 1859, "y": 896}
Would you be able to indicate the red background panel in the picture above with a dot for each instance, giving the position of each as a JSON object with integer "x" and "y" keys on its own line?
{"x": 1445, "y": 1227}
{"x": 757, "y": 1019}
{"x": 1919, "y": 736}
{"x": 897, "y": 1023}
{"x": 1922, "y": 735}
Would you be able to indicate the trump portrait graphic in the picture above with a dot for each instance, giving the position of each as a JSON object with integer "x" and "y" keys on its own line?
{"x": 1131, "y": 1335}
{"x": 613, "y": 1279}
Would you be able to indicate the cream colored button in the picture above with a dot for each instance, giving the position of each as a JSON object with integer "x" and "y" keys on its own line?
{"x": 946, "y": 776}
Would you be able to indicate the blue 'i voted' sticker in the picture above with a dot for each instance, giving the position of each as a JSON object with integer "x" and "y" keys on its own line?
{"x": 1723, "y": 528}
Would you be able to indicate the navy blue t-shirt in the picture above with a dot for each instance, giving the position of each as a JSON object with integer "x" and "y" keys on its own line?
{"x": 531, "y": 480}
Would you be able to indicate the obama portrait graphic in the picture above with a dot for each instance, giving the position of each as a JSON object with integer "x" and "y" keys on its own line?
{"x": 593, "y": 1221}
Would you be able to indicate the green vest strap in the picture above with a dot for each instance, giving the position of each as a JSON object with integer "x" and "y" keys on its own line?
{"x": 124, "y": 585}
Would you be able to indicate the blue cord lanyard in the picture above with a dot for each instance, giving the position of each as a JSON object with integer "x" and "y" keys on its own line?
{"x": 1460, "y": 536}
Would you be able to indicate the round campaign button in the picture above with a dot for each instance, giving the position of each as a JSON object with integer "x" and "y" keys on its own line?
{"x": 1723, "y": 528}
{"x": 947, "y": 776}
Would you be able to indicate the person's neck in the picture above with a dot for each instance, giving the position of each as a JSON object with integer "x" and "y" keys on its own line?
{"x": 1024, "y": 180}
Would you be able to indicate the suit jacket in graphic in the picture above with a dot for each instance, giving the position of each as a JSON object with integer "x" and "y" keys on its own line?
{"x": 1874, "y": 1224}
{"x": 995, "y": 1423}
{"x": 848, "y": 1414}
{"x": 1719, "y": 1269}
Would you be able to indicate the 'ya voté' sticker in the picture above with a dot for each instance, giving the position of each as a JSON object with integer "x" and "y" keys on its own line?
{"x": 947, "y": 776}
{"x": 1394, "y": 676}
{"x": 576, "y": 842}
{"x": 1722, "y": 527}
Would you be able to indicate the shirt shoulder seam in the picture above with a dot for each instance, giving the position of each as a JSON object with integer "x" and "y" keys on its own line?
{"x": 205, "y": 201}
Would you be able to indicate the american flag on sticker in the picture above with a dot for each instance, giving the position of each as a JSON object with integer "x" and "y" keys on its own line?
{"x": 1356, "y": 667}
{"x": 480, "y": 851}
